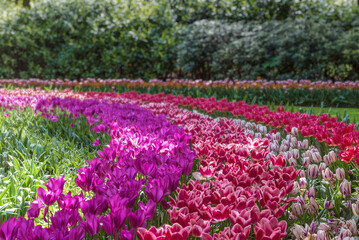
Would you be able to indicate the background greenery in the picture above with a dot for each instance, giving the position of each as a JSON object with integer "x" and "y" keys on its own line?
{"x": 208, "y": 39}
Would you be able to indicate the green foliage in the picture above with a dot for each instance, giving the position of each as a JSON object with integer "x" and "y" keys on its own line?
{"x": 80, "y": 38}
{"x": 298, "y": 49}
{"x": 206, "y": 39}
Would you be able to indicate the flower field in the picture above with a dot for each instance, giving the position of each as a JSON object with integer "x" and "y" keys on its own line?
{"x": 104, "y": 165}
{"x": 293, "y": 92}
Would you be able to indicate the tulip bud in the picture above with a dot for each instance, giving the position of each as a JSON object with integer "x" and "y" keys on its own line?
{"x": 351, "y": 225}
{"x": 332, "y": 156}
{"x": 333, "y": 224}
{"x": 313, "y": 206}
{"x": 329, "y": 205}
{"x": 258, "y": 135}
{"x": 313, "y": 171}
{"x": 340, "y": 174}
{"x": 321, "y": 235}
{"x": 355, "y": 208}
{"x": 312, "y": 192}
{"x": 292, "y": 162}
{"x": 277, "y": 136}
{"x": 326, "y": 160}
{"x": 303, "y": 183}
{"x": 322, "y": 166}
{"x": 312, "y": 227}
{"x": 274, "y": 146}
{"x": 297, "y": 209}
{"x": 263, "y": 130}
{"x": 305, "y": 144}
{"x": 327, "y": 174}
{"x": 302, "y": 202}
{"x": 295, "y": 189}
{"x": 306, "y": 162}
{"x": 345, "y": 188}
{"x": 294, "y": 131}
{"x": 298, "y": 231}
{"x": 294, "y": 142}
{"x": 283, "y": 148}
{"x": 324, "y": 227}
{"x": 302, "y": 174}
{"x": 295, "y": 153}
{"x": 316, "y": 158}
{"x": 345, "y": 233}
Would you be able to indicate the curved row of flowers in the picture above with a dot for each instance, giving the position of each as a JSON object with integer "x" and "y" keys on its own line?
{"x": 250, "y": 183}
{"x": 185, "y": 83}
{"x": 142, "y": 164}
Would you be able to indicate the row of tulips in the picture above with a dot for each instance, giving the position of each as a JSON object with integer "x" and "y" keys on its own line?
{"x": 325, "y": 129}
{"x": 253, "y": 190}
{"x": 185, "y": 83}
{"x": 244, "y": 184}
{"x": 141, "y": 165}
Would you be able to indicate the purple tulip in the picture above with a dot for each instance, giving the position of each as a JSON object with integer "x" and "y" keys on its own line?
{"x": 156, "y": 189}
{"x": 345, "y": 188}
{"x": 77, "y": 233}
{"x": 55, "y": 185}
{"x": 91, "y": 224}
{"x": 34, "y": 209}
{"x": 97, "y": 142}
{"x": 313, "y": 171}
{"x": 47, "y": 197}
{"x": 8, "y": 229}
{"x": 84, "y": 178}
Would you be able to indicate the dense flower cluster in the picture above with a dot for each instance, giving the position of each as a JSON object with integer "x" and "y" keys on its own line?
{"x": 185, "y": 83}
{"x": 259, "y": 179}
{"x": 146, "y": 156}
{"x": 323, "y": 128}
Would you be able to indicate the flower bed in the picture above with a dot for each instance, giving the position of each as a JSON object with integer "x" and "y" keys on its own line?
{"x": 267, "y": 179}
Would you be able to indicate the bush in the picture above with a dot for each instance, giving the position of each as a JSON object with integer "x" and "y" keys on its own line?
{"x": 298, "y": 49}
{"x": 73, "y": 38}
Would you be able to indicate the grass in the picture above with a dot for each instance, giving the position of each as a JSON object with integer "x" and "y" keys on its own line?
{"x": 347, "y": 115}
{"x": 32, "y": 149}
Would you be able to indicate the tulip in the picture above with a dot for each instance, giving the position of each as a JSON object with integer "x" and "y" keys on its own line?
{"x": 328, "y": 205}
{"x": 326, "y": 160}
{"x": 327, "y": 174}
{"x": 295, "y": 189}
{"x": 340, "y": 174}
{"x": 352, "y": 226}
{"x": 298, "y": 231}
{"x": 97, "y": 142}
{"x": 306, "y": 162}
{"x": 295, "y": 153}
{"x": 312, "y": 192}
{"x": 47, "y": 197}
{"x": 91, "y": 225}
{"x": 292, "y": 162}
{"x": 305, "y": 144}
{"x": 316, "y": 158}
{"x": 302, "y": 174}
{"x": 313, "y": 171}
{"x": 313, "y": 206}
{"x": 294, "y": 131}
{"x": 321, "y": 235}
{"x": 322, "y": 166}
{"x": 297, "y": 209}
{"x": 303, "y": 183}
{"x": 324, "y": 227}
{"x": 355, "y": 208}
{"x": 345, "y": 188}
{"x": 332, "y": 156}
{"x": 294, "y": 142}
